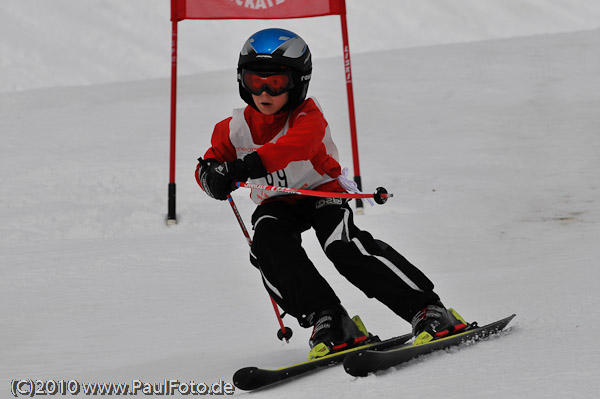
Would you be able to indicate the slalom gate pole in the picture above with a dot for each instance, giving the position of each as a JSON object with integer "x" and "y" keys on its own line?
{"x": 351, "y": 112}
{"x": 171, "y": 214}
{"x": 284, "y": 332}
{"x": 380, "y": 196}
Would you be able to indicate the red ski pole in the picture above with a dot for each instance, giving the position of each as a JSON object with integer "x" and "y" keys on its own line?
{"x": 380, "y": 196}
{"x": 284, "y": 332}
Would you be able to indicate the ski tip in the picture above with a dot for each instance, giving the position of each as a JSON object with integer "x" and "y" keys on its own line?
{"x": 352, "y": 365}
{"x": 245, "y": 378}
{"x": 507, "y": 320}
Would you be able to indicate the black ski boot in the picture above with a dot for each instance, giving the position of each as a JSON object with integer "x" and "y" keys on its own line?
{"x": 334, "y": 331}
{"x": 434, "y": 322}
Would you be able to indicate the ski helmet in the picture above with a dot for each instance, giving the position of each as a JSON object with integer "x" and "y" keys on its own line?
{"x": 274, "y": 50}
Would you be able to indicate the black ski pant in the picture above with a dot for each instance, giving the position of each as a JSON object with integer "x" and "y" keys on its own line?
{"x": 293, "y": 281}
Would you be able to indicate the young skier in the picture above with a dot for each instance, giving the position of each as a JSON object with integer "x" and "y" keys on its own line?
{"x": 281, "y": 138}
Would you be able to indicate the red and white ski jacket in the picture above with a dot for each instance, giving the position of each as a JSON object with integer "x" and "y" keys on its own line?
{"x": 295, "y": 147}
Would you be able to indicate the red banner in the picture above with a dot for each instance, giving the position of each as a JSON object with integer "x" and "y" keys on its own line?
{"x": 254, "y": 9}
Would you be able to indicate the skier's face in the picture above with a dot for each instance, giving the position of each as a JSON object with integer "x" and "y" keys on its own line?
{"x": 268, "y": 104}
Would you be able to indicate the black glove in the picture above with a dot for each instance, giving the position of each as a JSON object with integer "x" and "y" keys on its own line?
{"x": 217, "y": 179}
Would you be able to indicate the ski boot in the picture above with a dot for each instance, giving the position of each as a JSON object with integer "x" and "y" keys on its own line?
{"x": 434, "y": 322}
{"x": 335, "y": 331}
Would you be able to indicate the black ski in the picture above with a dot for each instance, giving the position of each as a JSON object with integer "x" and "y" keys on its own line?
{"x": 362, "y": 363}
{"x": 251, "y": 378}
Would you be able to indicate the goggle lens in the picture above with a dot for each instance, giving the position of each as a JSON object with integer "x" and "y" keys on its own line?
{"x": 274, "y": 83}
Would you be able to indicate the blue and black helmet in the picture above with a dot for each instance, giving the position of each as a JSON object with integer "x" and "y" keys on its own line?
{"x": 271, "y": 50}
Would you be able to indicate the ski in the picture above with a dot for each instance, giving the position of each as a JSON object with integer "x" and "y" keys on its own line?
{"x": 252, "y": 378}
{"x": 362, "y": 363}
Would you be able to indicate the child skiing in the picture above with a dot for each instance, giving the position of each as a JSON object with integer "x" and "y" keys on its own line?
{"x": 282, "y": 138}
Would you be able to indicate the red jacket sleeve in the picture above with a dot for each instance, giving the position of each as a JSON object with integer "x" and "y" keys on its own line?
{"x": 302, "y": 140}
{"x": 221, "y": 148}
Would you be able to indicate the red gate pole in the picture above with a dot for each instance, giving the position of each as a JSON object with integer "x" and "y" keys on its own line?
{"x": 350, "y": 92}
{"x": 171, "y": 216}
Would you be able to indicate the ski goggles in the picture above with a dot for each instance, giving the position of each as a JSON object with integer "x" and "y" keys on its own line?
{"x": 274, "y": 83}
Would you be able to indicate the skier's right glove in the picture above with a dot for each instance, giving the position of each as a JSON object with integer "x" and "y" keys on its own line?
{"x": 217, "y": 179}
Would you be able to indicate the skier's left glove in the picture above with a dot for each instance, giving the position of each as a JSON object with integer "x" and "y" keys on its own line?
{"x": 217, "y": 179}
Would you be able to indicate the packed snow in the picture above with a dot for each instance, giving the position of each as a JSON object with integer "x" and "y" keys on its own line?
{"x": 491, "y": 148}
{"x": 65, "y": 42}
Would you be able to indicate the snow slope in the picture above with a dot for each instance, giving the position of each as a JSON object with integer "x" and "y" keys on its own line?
{"x": 65, "y": 42}
{"x": 491, "y": 149}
